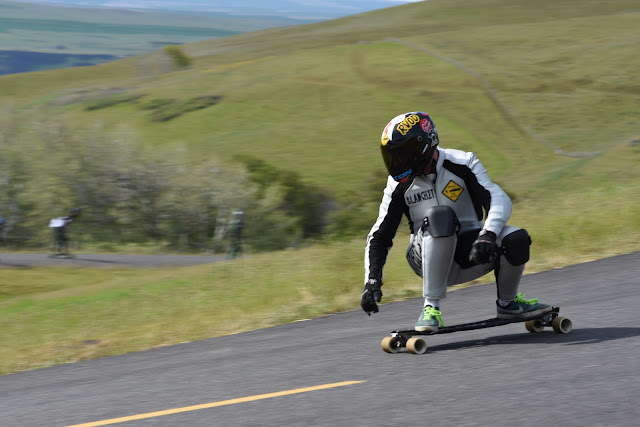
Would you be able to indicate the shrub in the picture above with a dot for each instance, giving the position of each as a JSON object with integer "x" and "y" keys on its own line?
{"x": 171, "y": 109}
{"x": 180, "y": 59}
{"x": 111, "y": 101}
{"x": 157, "y": 103}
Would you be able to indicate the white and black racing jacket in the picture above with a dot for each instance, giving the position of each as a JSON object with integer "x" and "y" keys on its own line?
{"x": 460, "y": 181}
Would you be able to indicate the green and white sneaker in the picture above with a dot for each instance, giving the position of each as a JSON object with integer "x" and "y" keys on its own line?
{"x": 429, "y": 320}
{"x": 521, "y": 307}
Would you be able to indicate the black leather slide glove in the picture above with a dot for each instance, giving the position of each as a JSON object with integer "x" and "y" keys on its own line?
{"x": 370, "y": 296}
{"x": 483, "y": 250}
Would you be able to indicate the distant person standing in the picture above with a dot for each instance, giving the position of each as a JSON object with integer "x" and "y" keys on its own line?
{"x": 60, "y": 238}
{"x": 3, "y": 222}
{"x": 235, "y": 235}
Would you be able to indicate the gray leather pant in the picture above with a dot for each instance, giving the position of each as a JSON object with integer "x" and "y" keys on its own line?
{"x": 433, "y": 260}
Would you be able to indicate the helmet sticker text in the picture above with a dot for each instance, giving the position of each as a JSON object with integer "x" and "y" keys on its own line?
{"x": 404, "y": 176}
{"x": 408, "y": 123}
{"x": 426, "y": 125}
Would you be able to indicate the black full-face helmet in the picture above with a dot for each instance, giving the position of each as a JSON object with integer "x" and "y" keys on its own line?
{"x": 408, "y": 142}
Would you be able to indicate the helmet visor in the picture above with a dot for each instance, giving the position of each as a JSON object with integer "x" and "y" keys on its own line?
{"x": 399, "y": 161}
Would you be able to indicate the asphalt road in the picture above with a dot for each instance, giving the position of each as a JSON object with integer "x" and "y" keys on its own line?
{"x": 500, "y": 376}
{"x": 105, "y": 260}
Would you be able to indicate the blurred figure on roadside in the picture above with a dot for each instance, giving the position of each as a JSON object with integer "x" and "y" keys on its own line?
{"x": 234, "y": 232}
{"x": 60, "y": 238}
{"x": 3, "y": 222}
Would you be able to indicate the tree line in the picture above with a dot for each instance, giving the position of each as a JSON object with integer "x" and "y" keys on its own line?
{"x": 130, "y": 194}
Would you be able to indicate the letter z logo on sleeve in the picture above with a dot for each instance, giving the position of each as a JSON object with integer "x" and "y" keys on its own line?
{"x": 452, "y": 191}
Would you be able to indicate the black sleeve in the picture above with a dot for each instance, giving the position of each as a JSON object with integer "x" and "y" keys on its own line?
{"x": 380, "y": 238}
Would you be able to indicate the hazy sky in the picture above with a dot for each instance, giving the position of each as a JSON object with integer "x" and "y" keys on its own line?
{"x": 301, "y": 9}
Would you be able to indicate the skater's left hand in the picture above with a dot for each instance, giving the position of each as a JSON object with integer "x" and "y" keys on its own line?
{"x": 484, "y": 249}
{"x": 370, "y": 296}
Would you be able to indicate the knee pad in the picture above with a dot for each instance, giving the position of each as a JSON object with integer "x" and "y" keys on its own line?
{"x": 440, "y": 221}
{"x": 515, "y": 247}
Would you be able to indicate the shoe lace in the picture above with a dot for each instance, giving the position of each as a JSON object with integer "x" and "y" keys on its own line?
{"x": 431, "y": 311}
{"x": 520, "y": 298}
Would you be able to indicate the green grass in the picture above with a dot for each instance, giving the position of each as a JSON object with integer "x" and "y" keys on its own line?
{"x": 125, "y": 310}
{"x": 315, "y": 99}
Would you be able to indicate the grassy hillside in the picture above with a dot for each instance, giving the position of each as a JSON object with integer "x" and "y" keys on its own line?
{"x": 527, "y": 87}
{"x": 305, "y": 88}
{"x": 546, "y": 94}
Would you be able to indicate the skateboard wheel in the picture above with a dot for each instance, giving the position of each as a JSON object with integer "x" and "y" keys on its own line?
{"x": 416, "y": 345}
{"x": 562, "y": 325}
{"x": 536, "y": 325}
{"x": 391, "y": 344}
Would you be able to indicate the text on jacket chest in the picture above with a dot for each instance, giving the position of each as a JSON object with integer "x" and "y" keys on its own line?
{"x": 414, "y": 198}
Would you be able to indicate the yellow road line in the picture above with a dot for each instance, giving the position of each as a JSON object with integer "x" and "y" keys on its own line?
{"x": 215, "y": 404}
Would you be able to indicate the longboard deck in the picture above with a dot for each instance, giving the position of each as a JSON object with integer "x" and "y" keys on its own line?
{"x": 488, "y": 323}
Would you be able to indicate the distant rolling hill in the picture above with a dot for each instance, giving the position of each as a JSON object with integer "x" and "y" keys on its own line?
{"x": 39, "y": 37}
{"x": 20, "y": 61}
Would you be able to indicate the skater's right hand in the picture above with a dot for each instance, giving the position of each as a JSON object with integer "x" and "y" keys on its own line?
{"x": 370, "y": 296}
{"x": 484, "y": 248}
